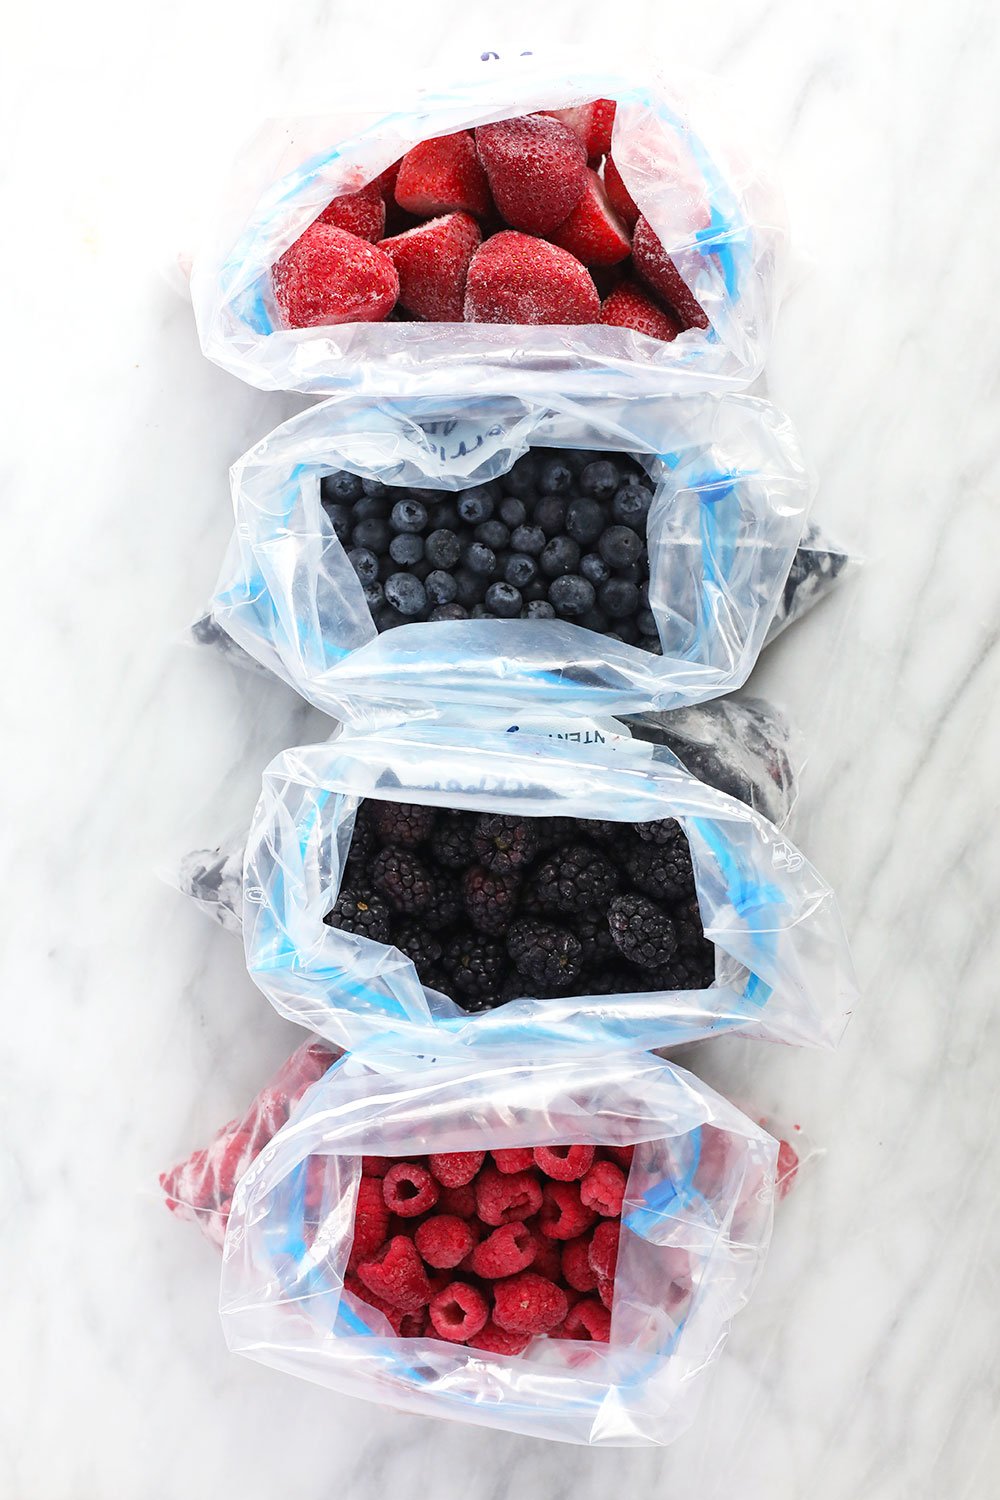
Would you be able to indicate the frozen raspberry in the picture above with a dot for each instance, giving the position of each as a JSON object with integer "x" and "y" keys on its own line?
{"x": 576, "y": 1269}
{"x": 504, "y": 843}
{"x": 788, "y": 1166}
{"x": 455, "y": 1168}
{"x": 514, "y": 1159}
{"x": 409, "y": 1190}
{"x": 604, "y": 1250}
{"x": 357, "y": 1288}
{"x": 397, "y": 1275}
{"x": 371, "y": 1221}
{"x": 548, "y": 1256}
{"x": 412, "y": 1324}
{"x": 458, "y": 1313}
{"x": 606, "y": 1291}
{"x": 442, "y": 176}
{"x": 496, "y": 1340}
{"x": 593, "y": 232}
{"x": 564, "y": 1163}
{"x": 516, "y": 279}
{"x": 329, "y": 276}
{"x": 592, "y": 122}
{"x": 587, "y": 1319}
{"x": 507, "y": 1199}
{"x": 444, "y": 1241}
{"x": 361, "y": 213}
{"x": 621, "y": 1154}
{"x": 536, "y": 169}
{"x": 509, "y": 1249}
{"x": 628, "y": 307}
{"x": 460, "y": 1201}
{"x": 490, "y": 898}
{"x": 563, "y": 1215}
{"x": 405, "y": 824}
{"x": 657, "y": 269}
{"x": 619, "y": 197}
{"x": 603, "y": 1189}
{"x": 433, "y": 263}
{"x": 375, "y": 1166}
{"x": 528, "y": 1303}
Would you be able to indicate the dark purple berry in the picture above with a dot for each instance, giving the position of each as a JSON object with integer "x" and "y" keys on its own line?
{"x": 585, "y": 520}
{"x": 480, "y": 559}
{"x": 363, "y": 912}
{"x": 555, "y": 477}
{"x": 630, "y": 507}
{"x": 513, "y": 512}
{"x": 571, "y": 596}
{"x": 502, "y": 842}
{"x": 406, "y": 593}
{"x": 538, "y": 609}
{"x": 402, "y": 879}
{"x": 504, "y": 600}
{"x": 520, "y": 570}
{"x": 408, "y": 516}
{"x": 550, "y": 515}
{"x": 642, "y": 932}
{"x": 364, "y": 563}
{"x": 561, "y": 556}
{"x": 476, "y": 505}
{"x": 341, "y": 486}
{"x": 594, "y": 569}
{"x": 440, "y": 587}
{"x": 490, "y": 898}
{"x": 406, "y": 549}
{"x": 618, "y": 599}
{"x": 528, "y": 539}
{"x": 619, "y": 546}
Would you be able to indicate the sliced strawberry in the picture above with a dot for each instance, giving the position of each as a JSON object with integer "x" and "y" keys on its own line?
{"x": 361, "y": 213}
{"x": 593, "y": 232}
{"x": 432, "y": 262}
{"x": 592, "y": 123}
{"x": 657, "y": 269}
{"x": 443, "y": 176}
{"x": 628, "y": 307}
{"x": 515, "y": 278}
{"x": 619, "y": 197}
{"x": 330, "y": 276}
{"x": 536, "y": 169}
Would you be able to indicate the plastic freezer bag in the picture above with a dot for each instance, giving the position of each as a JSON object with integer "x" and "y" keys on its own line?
{"x": 782, "y": 966}
{"x": 683, "y": 162}
{"x": 730, "y": 502}
{"x": 696, "y": 1221}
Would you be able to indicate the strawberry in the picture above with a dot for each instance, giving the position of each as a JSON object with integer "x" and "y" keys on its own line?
{"x": 592, "y": 123}
{"x": 432, "y": 262}
{"x": 536, "y": 169}
{"x": 386, "y": 181}
{"x": 628, "y": 307}
{"x": 330, "y": 276}
{"x": 442, "y": 176}
{"x": 361, "y": 213}
{"x": 657, "y": 269}
{"x": 515, "y": 278}
{"x": 593, "y": 232}
{"x": 618, "y": 195}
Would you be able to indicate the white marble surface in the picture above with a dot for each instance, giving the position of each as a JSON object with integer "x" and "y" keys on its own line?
{"x": 866, "y": 1367}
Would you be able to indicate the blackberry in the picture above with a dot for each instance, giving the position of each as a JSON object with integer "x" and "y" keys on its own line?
{"x": 363, "y": 836}
{"x": 575, "y": 878}
{"x": 659, "y": 831}
{"x": 555, "y": 477}
{"x": 451, "y": 841}
{"x": 612, "y": 981}
{"x": 402, "y": 879}
{"x": 602, "y": 830}
{"x": 599, "y": 951}
{"x": 571, "y": 595}
{"x": 620, "y": 547}
{"x": 513, "y": 512}
{"x": 600, "y": 479}
{"x": 404, "y": 823}
{"x": 691, "y": 939}
{"x": 553, "y": 831}
{"x": 663, "y": 871}
{"x": 630, "y": 507}
{"x": 408, "y": 516}
{"x": 504, "y": 843}
{"x": 494, "y": 533}
{"x": 372, "y": 534}
{"x": 490, "y": 898}
{"x": 446, "y": 904}
{"x": 476, "y": 505}
{"x": 420, "y": 945}
{"x": 642, "y": 932}
{"x": 341, "y": 486}
{"x": 474, "y": 965}
{"x": 686, "y": 973}
{"x": 406, "y": 593}
{"x": 584, "y": 520}
{"x": 362, "y": 912}
{"x": 528, "y": 539}
{"x": 550, "y": 957}
{"x": 561, "y": 556}
{"x": 504, "y": 599}
{"x": 440, "y": 587}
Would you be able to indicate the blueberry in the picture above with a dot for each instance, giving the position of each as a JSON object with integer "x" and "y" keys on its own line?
{"x": 388, "y": 618}
{"x": 448, "y": 612}
{"x": 364, "y": 563}
{"x": 637, "y": 572}
{"x": 562, "y": 555}
{"x": 480, "y": 612}
{"x": 406, "y": 593}
{"x": 539, "y": 609}
{"x": 571, "y": 595}
{"x": 374, "y": 488}
{"x": 522, "y": 478}
{"x": 408, "y": 516}
{"x": 646, "y": 621}
{"x": 600, "y": 479}
{"x": 504, "y": 600}
{"x": 529, "y": 539}
{"x": 341, "y": 518}
{"x": 594, "y": 569}
{"x": 555, "y": 477}
{"x": 373, "y": 535}
{"x": 469, "y": 588}
{"x": 584, "y": 520}
{"x": 442, "y": 549}
{"x": 619, "y": 546}
{"x": 444, "y": 516}
{"x": 537, "y": 590}
{"x": 593, "y": 619}
{"x": 630, "y": 506}
{"x": 550, "y": 514}
{"x": 513, "y": 512}
{"x": 420, "y": 569}
{"x": 386, "y": 567}
{"x": 520, "y": 569}
{"x": 406, "y": 549}
{"x": 341, "y": 486}
{"x": 374, "y": 596}
{"x": 440, "y": 587}
{"x": 370, "y": 509}
{"x": 480, "y": 559}
{"x": 627, "y": 632}
{"x": 476, "y": 505}
{"x": 618, "y": 598}
{"x": 494, "y": 533}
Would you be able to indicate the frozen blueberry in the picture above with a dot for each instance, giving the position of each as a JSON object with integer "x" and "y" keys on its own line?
{"x": 406, "y": 593}
{"x": 341, "y": 486}
{"x": 476, "y": 505}
{"x": 584, "y": 520}
{"x": 539, "y": 609}
{"x": 504, "y": 600}
{"x": 555, "y": 477}
{"x": 364, "y": 563}
{"x": 408, "y": 516}
{"x": 630, "y": 506}
{"x": 341, "y": 518}
{"x": 470, "y": 588}
{"x": 374, "y": 596}
{"x": 520, "y": 570}
{"x": 448, "y": 612}
{"x": 600, "y": 479}
{"x": 571, "y": 595}
{"x": 618, "y": 598}
{"x": 372, "y": 534}
{"x": 440, "y": 587}
{"x": 646, "y": 621}
{"x": 371, "y": 508}
{"x": 593, "y": 619}
{"x": 550, "y": 515}
{"x": 444, "y": 516}
{"x": 513, "y": 512}
{"x": 480, "y": 559}
{"x": 374, "y": 488}
{"x": 420, "y": 569}
{"x": 562, "y": 555}
{"x": 442, "y": 549}
{"x": 522, "y": 478}
{"x": 619, "y": 546}
{"x": 636, "y": 571}
{"x": 627, "y": 631}
{"x": 529, "y": 539}
{"x": 406, "y": 549}
{"x": 594, "y": 569}
{"x": 494, "y": 533}
{"x": 388, "y": 618}
{"x": 480, "y": 612}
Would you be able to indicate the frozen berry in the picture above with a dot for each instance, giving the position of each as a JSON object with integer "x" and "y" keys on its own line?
{"x": 494, "y": 1340}
{"x": 539, "y": 609}
{"x": 663, "y": 871}
{"x": 402, "y": 879}
{"x": 409, "y": 1190}
{"x": 603, "y": 1189}
{"x": 537, "y": 170}
{"x": 408, "y": 516}
{"x": 513, "y": 1159}
{"x": 452, "y": 841}
{"x": 620, "y": 546}
{"x": 548, "y": 956}
{"x": 560, "y": 556}
{"x": 361, "y": 213}
{"x": 405, "y": 823}
{"x": 440, "y": 587}
{"x": 504, "y": 599}
{"x": 405, "y": 550}
{"x": 657, "y": 269}
{"x": 493, "y": 533}
{"x": 329, "y": 276}
{"x": 458, "y": 1312}
{"x": 600, "y": 479}
{"x": 480, "y": 560}
{"x": 584, "y": 520}
{"x": 571, "y": 595}
{"x": 507, "y": 1198}
{"x": 642, "y": 932}
{"x": 564, "y": 1216}
{"x": 619, "y": 197}
{"x": 432, "y": 261}
{"x": 397, "y": 1275}
{"x": 587, "y": 1319}
{"x": 363, "y": 912}
{"x": 372, "y": 535}
{"x": 604, "y": 1250}
{"x": 455, "y": 1168}
{"x": 443, "y": 175}
{"x": 592, "y": 122}
{"x": 421, "y": 946}
{"x": 519, "y": 571}
{"x": 476, "y": 505}
{"x": 618, "y": 598}
{"x": 628, "y": 307}
{"x": 371, "y": 1221}
{"x": 460, "y": 1201}
{"x": 475, "y": 965}
{"x": 528, "y": 1303}
{"x": 659, "y": 831}
{"x": 406, "y": 594}
{"x": 491, "y": 898}
{"x": 364, "y": 563}
{"x": 593, "y": 232}
{"x": 516, "y": 279}
{"x": 621, "y": 1154}
{"x": 577, "y": 1271}
{"x": 513, "y": 512}
{"x": 448, "y": 612}
{"x": 444, "y": 1240}
{"x": 555, "y": 477}
{"x": 564, "y": 1163}
{"x": 505, "y": 1252}
{"x": 341, "y": 486}
{"x": 594, "y": 569}
{"x": 505, "y": 843}
{"x": 576, "y": 877}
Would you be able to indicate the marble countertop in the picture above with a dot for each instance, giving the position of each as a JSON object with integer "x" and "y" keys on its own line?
{"x": 866, "y": 1367}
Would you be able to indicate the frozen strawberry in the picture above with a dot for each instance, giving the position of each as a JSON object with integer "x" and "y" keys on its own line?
{"x": 577, "y": 1271}
{"x": 528, "y": 1304}
{"x": 536, "y": 169}
{"x": 505, "y": 1252}
{"x": 514, "y": 278}
{"x": 329, "y": 276}
{"x": 507, "y": 1200}
{"x": 455, "y": 1168}
{"x": 593, "y": 232}
{"x": 458, "y": 1313}
{"x": 657, "y": 269}
{"x": 604, "y": 1250}
{"x": 628, "y": 307}
{"x": 397, "y": 1275}
{"x": 409, "y": 1190}
{"x": 514, "y": 1159}
{"x": 361, "y": 213}
{"x": 444, "y": 1240}
{"x": 619, "y": 197}
{"x": 591, "y": 122}
{"x": 564, "y": 1163}
{"x": 386, "y": 182}
{"x": 432, "y": 261}
{"x": 563, "y": 1215}
{"x": 443, "y": 176}
{"x": 496, "y": 1340}
{"x": 587, "y": 1319}
{"x": 371, "y": 1221}
{"x": 603, "y": 1189}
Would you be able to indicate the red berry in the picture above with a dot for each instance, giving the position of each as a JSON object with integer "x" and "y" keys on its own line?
{"x": 232, "y": 1161}
{"x": 528, "y": 1304}
{"x": 514, "y": 278}
{"x": 460, "y": 1201}
{"x": 361, "y": 213}
{"x": 564, "y": 1163}
{"x": 386, "y": 181}
{"x": 657, "y": 269}
{"x": 375, "y": 1166}
{"x": 593, "y": 232}
{"x": 606, "y": 1290}
{"x": 619, "y": 197}
{"x": 592, "y": 122}
{"x": 548, "y": 1256}
{"x": 397, "y": 1275}
{"x": 563, "y": 1215}
{"x": 444, "y": 1240}
{"x": 603, "y": 1189}
{"x": 535, "y": 167}
{"x": 329, "y": 276}
{"x": 455, "y": 1168}
{"x": 509, "y": 1249}
{"x": 788, "y": 1166}
{"x": 459, "y": 1312}
{"x": 628, "y": 307}
{"x": 412, "y": 1324}
{"x": 498, "y": 1341}
{"x": 443, "y": 176}
{"x": 507, "y": 1200}
{"x": 621, "y": 1154}
{"x": 604, "y": 1250}
{"x": 576, "y": 1268}
{"x": 394, "y": 1314}
{"x": 433, "y": 262}
{"x": 409, "y": 1190}
{"x": 371, "y": 1221}
{"x": 515, "y": 1159}
{"x": 587, "y": 1319}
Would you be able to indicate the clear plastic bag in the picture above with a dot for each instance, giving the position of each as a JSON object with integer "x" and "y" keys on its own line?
{"x": 695, "y": 1227}
{"x": 783, "y": 970}
{"x": 730, "y": 504}
{"x": 682, "y": 159}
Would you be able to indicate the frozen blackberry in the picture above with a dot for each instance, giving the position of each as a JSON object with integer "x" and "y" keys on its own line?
{"x": 402, "y": 879}
{"x": 571, "y": 595}
{"x": 372, "y": 534}
{"x": 476, "y": 504}
{"x": 662, "y": 871}
{"x": 452, "y": 841}
{"x": 504, "y": 843}
{"x": 642, "y": 932}
{"x": 612, "y": 980}
{"x": 490, "y": 898}
{"x": 658, "y": 831}
{"x": 440, "y": 587}
{"x": 691, "y": 939}
{"x": 594, "y": 569}
{"x": 560, "y": 556}
{"x": 552, "y": 832}
{"x": 512, "y": 512}
{"x": 363, "y": 835}
{"x": 575, "y": 878}
{"x": 494, "y": 534}
{"x": 447, "y": 904}
{"x": 620, "y": 547}
{"x": 585, "y": 520}
{"x": 404, "y": 823}
{"x": 685, "y": 972}
{"x": 555, "y": 477}
{"x": 538, "y": 609}
{"x": 480, "y": 560}
{"x": 475, "y": 966}
{"x": 341, "y": 486}
{"x": 419, "y": 944}
{"x": 548, "y": 956}
{"x": 363, "y": 912}
{"x": 630, "y": 507}
{"x": 528, "y": 539}
{"x": 600, "y": 479}
{"x": 364, "y": 563}
{"x": 408, "y": 516}
{"x": 504, "y": 600}
{"x": 601, "y": 829}
{"x": 406, "y": 594}
{"x": 599, "y": 951}
{"x": 519, "y": 570}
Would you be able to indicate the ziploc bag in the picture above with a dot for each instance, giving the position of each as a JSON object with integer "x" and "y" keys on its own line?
{"x": 684, "y": 163}
{"x": 696, "y": 1222}
{"x": 783, "y": 970}
{"x": 730, "y": 503}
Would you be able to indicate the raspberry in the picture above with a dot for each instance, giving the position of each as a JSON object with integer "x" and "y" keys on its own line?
{"x": 455, "y": 1168}
{"x": 604, "y": 1250}
{"x": 576, "y": 878}
{"x": 564, "y": 1163}
{"x": 330, "y": 276}
{"x": 507, "y": 1199}
{"x": 460, "y": 1201}
{"x": 409, "y": 1190}
{"x": 621, "y": 1154}
{"x": 548, "y": 1257}
{"x": 362, "y": 912}
{"x": 548, "y": 956}
{"x": 412, "y": 1324}
{"x": 516, "y": 279}
{"x": 496, "y": 1340}
{"x": 375, "y": 1166}
{"x": 432, "y": 261}
{"x": 587, "y": 1319}
{"x": 513, "y": 1159}
{"x": 628, "y": 307}
{"x": 536, "y": 169}
{"x": 444, "y": 1240}
{"x": 657, "y": 269}
{"x": 458, "y": 1313}
{"x": 592, "y": 122}
{"x": 490, "y": 898}
{"x": 563, "y": 1215}
{"x": 475, "y": 965}
{"x": 394, "y": 1315}
{"x": 371, "y": 1221}
{"x": 619, "y": 197}
{"x": 397, "y": 1275}
{"x": 606, "y": 1291}
{"x": 405, "y": 824}
{"x": 361, "y": 213}
{"x": 509, "y": 1249}
{"x": 503, "y": 843}
{"x": 593, "y": 232}
{"x": 643, "y": 934}
{"x": 663, "y": 872}
{"x": 788, "y": 1166}
{"x": 603, "y": 1189}
{"x": 443, "y": 175}
{"x": 575, "y": 1265}
{"x": 528, "y": 1303}
{"x": 402, "y": 879}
